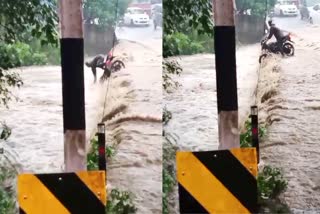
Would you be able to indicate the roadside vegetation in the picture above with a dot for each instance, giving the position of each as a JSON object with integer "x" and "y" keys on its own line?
{"x": 185, "y": 32}
{"x": 270, "y": 179}
{"x": 32, "y": 39}
{"x": 36, "y": 20}
{"x": 119, "y": 202}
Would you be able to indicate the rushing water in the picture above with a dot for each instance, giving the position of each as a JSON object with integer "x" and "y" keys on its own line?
{"x": 36, "y": 118}
{"x": 292, "y": 111}
{"x": 137, "y": 165}
{"x": 132, "y": 114}
{"x": 194, "y": 103}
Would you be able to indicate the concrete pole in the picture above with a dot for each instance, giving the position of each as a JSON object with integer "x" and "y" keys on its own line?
{"x": 226, "y": 76}
{"x": 73, "y": 85}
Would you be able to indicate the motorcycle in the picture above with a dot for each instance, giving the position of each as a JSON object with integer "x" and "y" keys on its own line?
{"x": 111, "y": 66}
{"x": 267, "y": 49}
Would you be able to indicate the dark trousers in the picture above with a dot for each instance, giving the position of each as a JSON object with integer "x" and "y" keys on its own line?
{"x": 280, "y": 45}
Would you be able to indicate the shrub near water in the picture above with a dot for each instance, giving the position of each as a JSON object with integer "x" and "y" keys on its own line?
{"x": 270, "y": 180}
{"x": 181, "y": 44}
{"x": 119, "y": 202}
{"x": 7, "y": 196}
{"x": 246, "y": 136}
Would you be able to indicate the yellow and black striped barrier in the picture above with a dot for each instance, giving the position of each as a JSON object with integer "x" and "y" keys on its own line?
{"x": 62, "y": 193}
{"x": 218, "y": 181}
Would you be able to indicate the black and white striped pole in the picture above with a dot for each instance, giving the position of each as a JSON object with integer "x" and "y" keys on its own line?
{"x": 102, "y": 146}
{"x": 226, "y": 76}
{"x": 73, "y": 85}
{"x": 255, "y": 130}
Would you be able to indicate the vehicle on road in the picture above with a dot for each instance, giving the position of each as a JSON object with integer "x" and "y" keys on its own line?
{"x": 136, "y": 16}
{"x": 273, "y": 48}
{"x": 286, "y": 8}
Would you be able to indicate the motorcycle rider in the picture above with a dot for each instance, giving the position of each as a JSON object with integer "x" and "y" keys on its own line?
{"x": 99, "y": 61}
{"x": 278, "y": 34}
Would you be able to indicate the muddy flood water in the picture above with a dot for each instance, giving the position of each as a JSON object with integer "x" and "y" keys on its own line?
{"x": 289, "y": 103}
{"x": 132, "y": 116}
{"x": 194, "y": 103}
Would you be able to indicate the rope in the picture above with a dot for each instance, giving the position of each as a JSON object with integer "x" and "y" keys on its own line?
{"x": 112, "y": 51}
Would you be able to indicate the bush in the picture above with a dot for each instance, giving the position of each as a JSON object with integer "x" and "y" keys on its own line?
{"x": 93, "y": 155}
{"x": 120, "y": 202}
{"x": 246, "y": 136}
{"x": 270, "y": 185}
{"x": 7, "y": 194}
{"x": 21, "y": 54}
{"x": 181, "y": 44}
{"x": 52, "y": 53}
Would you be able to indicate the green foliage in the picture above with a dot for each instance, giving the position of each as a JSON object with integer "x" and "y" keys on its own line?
{"x": 188, "y": 27}
{"x": 120, "y": 202}
{"x": 258, "y": 7}
{"x": 181, "y": 44}
{"x": 93, "y": 155}
{"x": 270, "y": 185}
{"x": 51, "y": 52}
{"x": 168, "y": 170}
{"x": 169, "y": 68}
{"x": 7, "y": 194}
{"x": 104, "y": 11}
{"x": 8, "y": 79}
{"x": 37, "y": 16}
{"x": 166, "y": 116}
{"x": 179, "y": 16}
{"x": 246, "y": 136}
{"x": 5, "y": 132}
{"x": 26, "y": 55}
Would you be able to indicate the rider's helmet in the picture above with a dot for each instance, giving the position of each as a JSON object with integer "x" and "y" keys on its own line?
{"x": 270, "y": 22}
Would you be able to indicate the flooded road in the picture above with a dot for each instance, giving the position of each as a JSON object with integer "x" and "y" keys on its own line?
{"x": 137, "y": 166}
{"x": 132, "y": 115}
{"x": 36, "y": 118}
{"x": 292, "y": 109}
{"x": 194, "y": 104}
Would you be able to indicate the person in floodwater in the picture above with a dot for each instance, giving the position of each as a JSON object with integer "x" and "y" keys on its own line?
{"x": 278, "y": 34}
{"x": 99, "y": 61}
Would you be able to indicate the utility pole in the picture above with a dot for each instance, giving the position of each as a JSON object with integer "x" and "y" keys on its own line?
{"x": 73, "y": 85}
{"x": 226, "y": 76}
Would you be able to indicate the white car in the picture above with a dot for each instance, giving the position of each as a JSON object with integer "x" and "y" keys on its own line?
{"x": 285, "y": 8}
{"x": 136, "y": 16}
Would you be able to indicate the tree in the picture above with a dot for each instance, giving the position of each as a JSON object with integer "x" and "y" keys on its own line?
{"x": 183, "y": 16}
{"x": 37, "y": 16}
{"x": 194, "y": 14}
{"x": 17, "y": 18}
{"x": 103, "y": 12}
{"x": 258, "y": 7}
